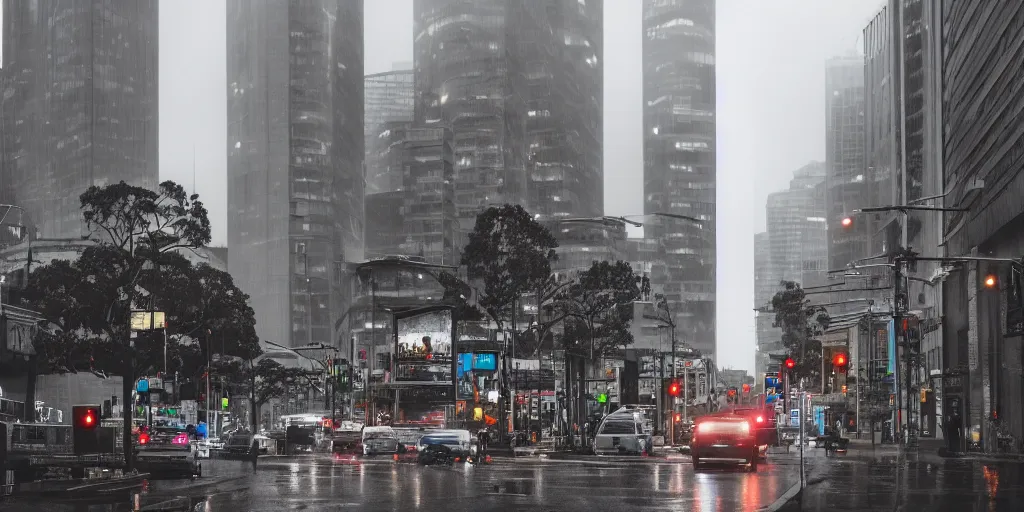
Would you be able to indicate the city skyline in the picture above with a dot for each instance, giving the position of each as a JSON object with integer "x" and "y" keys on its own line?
{"x": 757, "y": 86}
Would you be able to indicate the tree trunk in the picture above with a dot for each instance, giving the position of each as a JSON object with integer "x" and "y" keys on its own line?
{"x": 30, "y": 391}
{"x": 255, "y": 407}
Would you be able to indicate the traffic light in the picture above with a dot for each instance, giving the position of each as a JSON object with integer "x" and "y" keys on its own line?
{"x": 990, "y": 281}
{"x": 847, "y": 222}
{"x": 746, "y": 389}
{"x": 85, "y": 423}
{"x": 731, "y": 395}
{"x": 840, "y": 362}
{"x": 674, "y": 388}
{"x": 790, "y": 363}
{"x": 341, "y": 371}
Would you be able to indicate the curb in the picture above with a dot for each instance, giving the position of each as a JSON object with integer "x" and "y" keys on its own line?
{"x": 792, "y": 493}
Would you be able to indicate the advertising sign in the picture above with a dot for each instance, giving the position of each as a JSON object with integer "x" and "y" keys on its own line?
{"x": 424, "y": 348}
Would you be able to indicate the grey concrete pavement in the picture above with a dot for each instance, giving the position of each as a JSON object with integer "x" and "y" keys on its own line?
{"x": 508, "y": 484}
{"x": 882, "y": 481}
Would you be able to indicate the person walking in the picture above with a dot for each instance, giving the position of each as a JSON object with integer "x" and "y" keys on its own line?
{"x": 484, "y": 439}
{"x": 254, "y": 452}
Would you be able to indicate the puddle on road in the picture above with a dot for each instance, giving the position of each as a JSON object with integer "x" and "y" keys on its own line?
{"x": 521, "y": 487}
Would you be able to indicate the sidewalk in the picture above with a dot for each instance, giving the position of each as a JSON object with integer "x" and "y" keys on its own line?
{"x": 866, "y": 480}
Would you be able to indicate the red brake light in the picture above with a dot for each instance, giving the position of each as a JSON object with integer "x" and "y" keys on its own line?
{"x": 760, "y": 419}
{"x": 89, "y": 420}
{"x": 180, "y": 439}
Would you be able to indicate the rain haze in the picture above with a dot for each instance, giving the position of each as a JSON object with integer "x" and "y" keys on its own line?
{"x": 770, "y": 58}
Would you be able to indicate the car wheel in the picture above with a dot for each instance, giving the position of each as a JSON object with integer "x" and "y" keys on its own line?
{"x": 696, "y": 463}
{"x": 753, "y": 463}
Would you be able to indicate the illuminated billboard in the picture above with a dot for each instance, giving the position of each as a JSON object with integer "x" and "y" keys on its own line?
{"x": 424, "y": 347}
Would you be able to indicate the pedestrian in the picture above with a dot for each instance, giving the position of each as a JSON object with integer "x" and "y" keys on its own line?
{"x": 254, "y": 452}
{"x": 484, "y": 438}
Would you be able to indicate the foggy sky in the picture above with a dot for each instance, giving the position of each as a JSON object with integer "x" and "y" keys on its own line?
{"x": 770, "y": 113}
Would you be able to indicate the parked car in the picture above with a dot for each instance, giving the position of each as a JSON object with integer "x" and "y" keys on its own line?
{"x": 379, "y": 440}
{"x": 620, "y": 434}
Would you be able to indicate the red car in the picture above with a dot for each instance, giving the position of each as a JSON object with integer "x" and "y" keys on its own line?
{"x": 724, "y": 439}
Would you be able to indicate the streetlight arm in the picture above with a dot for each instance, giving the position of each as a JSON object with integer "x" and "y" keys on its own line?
{"x": 909, "y": 207}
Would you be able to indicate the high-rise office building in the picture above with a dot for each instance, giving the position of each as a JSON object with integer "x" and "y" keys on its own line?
{"x": 388, "y": 97}
{"x": 470, "y": 78}
{"x": 295, "y": 160}
{"x": 412, "y": 211}
{"x": 679, "y": 159}
{"x": 563, "y": 55}
{"x": 846, "y": 175}
{"x": 79, "y": 104}
{"x": 796, "y": 228}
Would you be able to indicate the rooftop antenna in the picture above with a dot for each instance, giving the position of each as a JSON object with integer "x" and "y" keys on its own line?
{"x": 193, "y": 168}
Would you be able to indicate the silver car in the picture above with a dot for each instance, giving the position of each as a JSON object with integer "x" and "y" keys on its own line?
{"x": 379, "y": 440}
{"x": 620, "y": 434}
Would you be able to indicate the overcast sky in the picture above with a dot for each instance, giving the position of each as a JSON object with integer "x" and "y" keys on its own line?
{"x": 770, "y": 113}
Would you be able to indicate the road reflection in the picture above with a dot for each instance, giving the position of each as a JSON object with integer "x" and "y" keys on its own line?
{"x": 291, "y": 485}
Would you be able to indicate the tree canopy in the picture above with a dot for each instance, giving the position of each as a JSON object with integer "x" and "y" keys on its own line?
{"x": 800, "y": 322}
{"x": 511, "y": 253}
{"x": 202, "y": 306}
{"x": 594, "y": 307}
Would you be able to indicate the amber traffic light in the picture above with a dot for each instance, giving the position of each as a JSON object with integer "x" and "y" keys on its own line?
{"x": 990, "y": 281}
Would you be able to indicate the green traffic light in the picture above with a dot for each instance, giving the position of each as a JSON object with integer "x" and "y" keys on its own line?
{"x": 602, "y": 398}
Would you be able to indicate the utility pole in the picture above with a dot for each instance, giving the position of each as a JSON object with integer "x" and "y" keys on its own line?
{"x": 900, "y": 310}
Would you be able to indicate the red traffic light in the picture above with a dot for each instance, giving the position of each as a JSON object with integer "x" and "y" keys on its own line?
{"x": 732, "y": 391}
{"x": 85, "y": 417}
{"x": 839, "y": 360}
{"x": 673, "y": 388}
{"x": 790, "y": 363}
{"x": 990, "y": 281}
{"x": 746, "y": 388}
{"x": 143, "y": 438}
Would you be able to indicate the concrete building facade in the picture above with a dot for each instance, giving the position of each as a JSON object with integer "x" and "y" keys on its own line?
{"x": 983, "y": 91}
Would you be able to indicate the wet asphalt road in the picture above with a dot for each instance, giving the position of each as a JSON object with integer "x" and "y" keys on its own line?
{"x": 283, "y": 484}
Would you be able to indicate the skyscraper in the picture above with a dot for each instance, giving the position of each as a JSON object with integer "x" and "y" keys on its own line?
{"x": 564, "y": 59}
{"x": 846, "y": 176}
{"x": 470, "y": 78}
{"x": 79, "y": 105}
{"x": 388, "y": 97}
{"x": 679, "y": 159}
{"x": 295, "y": 160}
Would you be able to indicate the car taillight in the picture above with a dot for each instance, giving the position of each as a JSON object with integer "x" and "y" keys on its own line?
{"x": 760, "y": 419}
{"x": 746, "y": 427}
{"x": 143, "y": 438}
{"x": 181, "y": 439}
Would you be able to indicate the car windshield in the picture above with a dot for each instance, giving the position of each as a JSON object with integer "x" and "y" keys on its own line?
{"x": 619, "y": 427}
{"x": 380, "y": 435}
